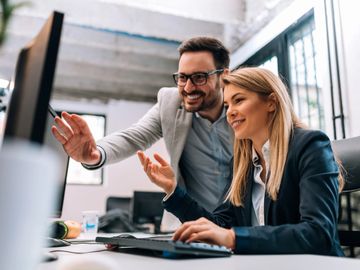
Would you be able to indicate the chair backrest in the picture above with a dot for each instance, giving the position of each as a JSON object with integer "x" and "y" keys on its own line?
{"x": 122, "y": 203}
{"x": 348, "y": 152}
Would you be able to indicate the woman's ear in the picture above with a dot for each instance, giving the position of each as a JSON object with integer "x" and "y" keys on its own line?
{"x": 272, "y": 102}
{"x": 226, "y": 71}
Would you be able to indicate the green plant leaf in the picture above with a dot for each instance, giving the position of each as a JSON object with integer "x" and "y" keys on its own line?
{"x": 7, "y": 10}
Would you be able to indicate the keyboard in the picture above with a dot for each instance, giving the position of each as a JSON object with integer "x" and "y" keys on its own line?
{"x": 167, "y": 248}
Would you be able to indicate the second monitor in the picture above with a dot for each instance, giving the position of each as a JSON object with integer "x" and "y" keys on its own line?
{"x": 147, "y": 208}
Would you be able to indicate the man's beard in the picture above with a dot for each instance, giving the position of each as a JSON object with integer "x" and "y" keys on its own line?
{"x": 205, "y": 105}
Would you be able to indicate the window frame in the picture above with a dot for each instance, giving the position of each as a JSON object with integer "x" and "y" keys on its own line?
{"x": 80, "y": 113}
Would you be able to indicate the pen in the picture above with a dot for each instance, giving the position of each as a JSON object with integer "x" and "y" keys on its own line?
{"x": 52, "y": 111}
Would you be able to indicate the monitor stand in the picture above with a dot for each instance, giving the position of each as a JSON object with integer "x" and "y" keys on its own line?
{"x": 157, "y": 225}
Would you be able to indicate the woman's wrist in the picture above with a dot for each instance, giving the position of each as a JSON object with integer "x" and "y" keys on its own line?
{"x": 231, "y": 239}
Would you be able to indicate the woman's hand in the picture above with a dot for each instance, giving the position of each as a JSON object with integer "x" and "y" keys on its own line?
{"x": 160, "y": 174}
{"x": 206, "y": 231}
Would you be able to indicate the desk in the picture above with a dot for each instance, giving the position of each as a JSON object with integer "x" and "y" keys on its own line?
{"x": 247, "y": 262}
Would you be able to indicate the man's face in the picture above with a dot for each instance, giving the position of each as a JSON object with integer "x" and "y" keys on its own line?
{"x": 204, "y": 97}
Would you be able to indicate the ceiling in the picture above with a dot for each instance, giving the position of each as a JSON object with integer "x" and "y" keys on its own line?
{"x": 120, "y": 49}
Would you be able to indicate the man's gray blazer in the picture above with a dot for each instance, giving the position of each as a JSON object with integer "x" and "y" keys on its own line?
{"x": 167, "y": 119}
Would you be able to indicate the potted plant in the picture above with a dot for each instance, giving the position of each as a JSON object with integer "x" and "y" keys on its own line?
{"x": 6, "y": 10}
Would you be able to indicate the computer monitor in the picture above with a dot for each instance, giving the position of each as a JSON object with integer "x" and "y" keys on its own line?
{"x": 147, "y": 208}
{"x": 35, "y": 69}
{"x": 27, "y": 116}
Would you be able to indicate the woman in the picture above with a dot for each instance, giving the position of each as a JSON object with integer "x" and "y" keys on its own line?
{"x": 284, "y": 194}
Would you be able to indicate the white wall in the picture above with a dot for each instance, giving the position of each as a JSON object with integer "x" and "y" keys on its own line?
{"x": 120, "y": 179}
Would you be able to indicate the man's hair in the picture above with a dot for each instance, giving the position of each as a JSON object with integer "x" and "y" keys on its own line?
{"x": 212, "y": 45}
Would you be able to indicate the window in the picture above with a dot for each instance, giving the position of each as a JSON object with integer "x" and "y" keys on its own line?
{"x": 271, "y": 64}
{"x": 293, "y": 56}
{"x": 77, "y": 174}
{"x": 305, "y": 88}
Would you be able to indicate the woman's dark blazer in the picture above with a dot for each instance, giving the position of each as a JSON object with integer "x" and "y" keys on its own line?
{"x": 303, "y": 219}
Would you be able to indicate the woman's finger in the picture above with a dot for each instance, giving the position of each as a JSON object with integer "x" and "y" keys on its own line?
{"x": 193, "y": 229}
{"x": 181, "y": 229}
{"x": 203, "y": 236}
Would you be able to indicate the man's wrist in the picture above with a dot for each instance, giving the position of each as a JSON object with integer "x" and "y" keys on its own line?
{"x": 169, "y": 193}
{"x": 98, "y": 164}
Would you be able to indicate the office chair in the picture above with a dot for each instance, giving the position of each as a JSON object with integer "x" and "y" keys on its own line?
{"x": 117, "y": 216}
{"x": 118, "y": 202}
{"x": 348, "y": 152}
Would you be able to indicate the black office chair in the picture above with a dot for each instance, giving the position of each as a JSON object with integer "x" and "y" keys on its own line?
{"x": 122, "y": 203}
{"x": 348, "y": 152}
{"x": 117, "y": 217}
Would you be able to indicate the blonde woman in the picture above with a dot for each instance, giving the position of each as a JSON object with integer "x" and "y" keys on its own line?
{"x": 284, "y": 194}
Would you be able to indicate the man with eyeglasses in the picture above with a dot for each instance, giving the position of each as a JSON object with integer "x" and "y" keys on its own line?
{"x": 191, "y": 119}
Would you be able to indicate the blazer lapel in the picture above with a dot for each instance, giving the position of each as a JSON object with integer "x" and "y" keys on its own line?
{"x": 247, "y": 200}
{"x": 182, "y": 123}
{"x": 267, "y": 202}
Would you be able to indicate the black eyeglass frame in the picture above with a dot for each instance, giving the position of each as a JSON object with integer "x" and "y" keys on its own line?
{"x": 191, "y": 76}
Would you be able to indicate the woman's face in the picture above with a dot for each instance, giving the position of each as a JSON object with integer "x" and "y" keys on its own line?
{"x": 248, "y": 114}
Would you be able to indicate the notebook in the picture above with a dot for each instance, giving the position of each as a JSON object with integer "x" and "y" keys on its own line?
{"x": 165, "y": 247}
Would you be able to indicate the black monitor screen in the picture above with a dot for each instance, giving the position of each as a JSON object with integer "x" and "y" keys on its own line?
{"x": 147, "y": 207}
{"x": 27, "y": 116}
{"x": 35, "y": 69}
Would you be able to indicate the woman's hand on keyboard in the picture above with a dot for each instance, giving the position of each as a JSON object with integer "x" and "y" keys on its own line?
{"x": 204, "y": 230}
{"x": 160, "y": 174}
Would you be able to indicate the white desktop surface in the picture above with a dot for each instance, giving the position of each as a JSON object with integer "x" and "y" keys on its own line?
{"x": 119, "y": 260}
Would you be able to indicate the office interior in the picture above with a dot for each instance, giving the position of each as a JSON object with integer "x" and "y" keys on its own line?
{"x": 116, "y": 54}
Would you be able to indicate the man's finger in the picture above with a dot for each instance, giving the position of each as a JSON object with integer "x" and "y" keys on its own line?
{"x": 141, "y": 157}
{"x": 71, "y": 122}
{"x": 81, "y": 124}
{"x": 160, "y": 160}
{"x": 66, "y": 130}
{"x": 58, "y": 136}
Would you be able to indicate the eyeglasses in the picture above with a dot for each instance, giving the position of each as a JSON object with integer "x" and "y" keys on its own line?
{"x": 198, "y": 78}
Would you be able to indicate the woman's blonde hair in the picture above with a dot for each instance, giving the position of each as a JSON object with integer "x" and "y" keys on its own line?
{"x": 264, "y": 83}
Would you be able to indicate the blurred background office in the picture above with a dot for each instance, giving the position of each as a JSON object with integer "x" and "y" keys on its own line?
{"x": 116, "y": 54}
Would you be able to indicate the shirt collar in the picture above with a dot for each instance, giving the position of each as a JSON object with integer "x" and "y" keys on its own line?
{"x": 265, "y": 151}
{"x": 222, "y": 115}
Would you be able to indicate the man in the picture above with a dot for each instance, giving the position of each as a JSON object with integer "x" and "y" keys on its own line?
{"x": 191, "y": 119}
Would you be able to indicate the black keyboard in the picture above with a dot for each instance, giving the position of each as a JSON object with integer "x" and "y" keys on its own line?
{"x": 168, "y": 248}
